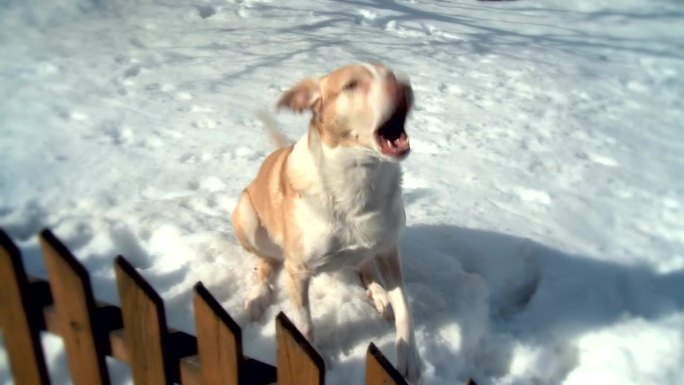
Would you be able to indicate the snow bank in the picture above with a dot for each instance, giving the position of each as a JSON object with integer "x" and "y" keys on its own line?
{"x": 543, "y": 193}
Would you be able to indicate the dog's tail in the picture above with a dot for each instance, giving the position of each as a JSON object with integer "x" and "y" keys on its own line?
{"x": 279, "y": 139}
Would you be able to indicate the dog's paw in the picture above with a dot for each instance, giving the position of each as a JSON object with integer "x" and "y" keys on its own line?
{"x": 258, "y": 301}
{"x": 408, "y": 362}
{"x": 380, "y": 300}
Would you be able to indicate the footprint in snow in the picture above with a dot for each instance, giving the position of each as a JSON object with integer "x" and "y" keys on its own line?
{"x": 189, "y": 158}
{"x": 128, "y": 244}
{"x": 205, "y": 11}
{"x": 119, "y": 135}
{"x": 24, "y": 223}
{"x": 132, "y": 71}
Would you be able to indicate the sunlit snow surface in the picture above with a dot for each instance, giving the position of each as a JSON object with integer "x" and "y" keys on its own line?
{"x": 544, "y": 192}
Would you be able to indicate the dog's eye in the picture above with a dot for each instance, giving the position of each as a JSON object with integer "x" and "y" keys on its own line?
{"x": 351, "y": 85}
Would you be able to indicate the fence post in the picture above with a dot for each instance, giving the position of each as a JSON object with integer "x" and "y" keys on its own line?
{"x": 379, "y": 371}
{"x": 219, "y": 340}
{"x": 75, "y": 311}
{"x": 298, "y": 363}
{"x": 145, "y": 331}
{"x": 19, "y": 319}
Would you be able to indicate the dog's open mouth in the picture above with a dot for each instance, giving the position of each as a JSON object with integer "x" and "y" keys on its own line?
{"x": 391, "y": 136}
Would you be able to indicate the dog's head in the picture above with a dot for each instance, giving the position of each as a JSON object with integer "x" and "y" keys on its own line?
{"x": 360, "y": 105}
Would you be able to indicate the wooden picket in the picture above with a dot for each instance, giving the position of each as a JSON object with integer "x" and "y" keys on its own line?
{"x": 75, "y": 312}
{"x": 379, "y": 370}
{"x": 219, "y": 340}
{"x": 145, "y": 327}
{"x": 137, "y": 332}
{"x": 18, "y": 319}
{"x": 297, "y": 361}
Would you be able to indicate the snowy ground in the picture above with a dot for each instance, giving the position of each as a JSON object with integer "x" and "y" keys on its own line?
{"x": 544, "y": 193}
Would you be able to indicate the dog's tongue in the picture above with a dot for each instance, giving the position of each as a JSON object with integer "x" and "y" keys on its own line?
{"x": 397, "y": 146}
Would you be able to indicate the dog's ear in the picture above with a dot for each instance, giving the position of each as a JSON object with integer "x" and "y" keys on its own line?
{"x": 302, "y": 96}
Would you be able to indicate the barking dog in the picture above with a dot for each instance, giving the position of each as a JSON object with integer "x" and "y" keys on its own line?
{"x": 333, "y": 199}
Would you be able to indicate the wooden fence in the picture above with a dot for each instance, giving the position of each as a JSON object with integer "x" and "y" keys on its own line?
{"x": 137, "y": 333}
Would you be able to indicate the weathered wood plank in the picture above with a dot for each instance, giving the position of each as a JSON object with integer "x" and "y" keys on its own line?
{"x": 298, "y": 363}
{"x": 178, "y": 349}
{"x": 144, "y": 321}
{"x": 76, "y": 313}
{"x": 379, "y": 371}
{"x": 19, "y": 319}
{"x": 219, "y": 340}
{"x": 257, "y": 372}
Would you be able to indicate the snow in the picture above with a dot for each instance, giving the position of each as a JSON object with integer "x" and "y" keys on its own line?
{"x": 544, "y": 192}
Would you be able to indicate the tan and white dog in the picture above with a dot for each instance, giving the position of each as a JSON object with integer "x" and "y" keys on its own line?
{"x": 333, "y": 199}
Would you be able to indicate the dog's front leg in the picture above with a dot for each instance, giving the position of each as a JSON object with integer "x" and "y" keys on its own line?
{"x": 298, "y": 277}
{"x": 408, "y": 360}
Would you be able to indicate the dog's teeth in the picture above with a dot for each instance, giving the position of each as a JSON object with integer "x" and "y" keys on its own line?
{"x": 389, "y": 143}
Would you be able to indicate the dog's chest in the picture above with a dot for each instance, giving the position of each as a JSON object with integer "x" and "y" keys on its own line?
{"x": 358, "y": 219}
{"x": 332, "y": 241}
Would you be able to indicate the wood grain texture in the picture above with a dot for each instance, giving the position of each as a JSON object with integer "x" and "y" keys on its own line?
{"x": 19, "y": 320}
{"x": 298, "y": 363}
{"x": 219, "y": 340}
{"x": 165, "y": 355}
{"x": 145, "y": 327}
{"x": 76, "y": 313}
{"x": 254, "y": 372}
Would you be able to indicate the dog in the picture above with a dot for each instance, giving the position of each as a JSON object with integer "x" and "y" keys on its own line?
{"x": 333, "y": 200}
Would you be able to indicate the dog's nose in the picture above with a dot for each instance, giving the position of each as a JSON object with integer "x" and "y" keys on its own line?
{"x": 392, "y": 86}
{"x": 407, "y": 93}
{"x": 400, "y": 92}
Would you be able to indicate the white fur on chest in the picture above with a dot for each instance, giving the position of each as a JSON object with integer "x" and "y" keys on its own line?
{"x": 351, "y": 208}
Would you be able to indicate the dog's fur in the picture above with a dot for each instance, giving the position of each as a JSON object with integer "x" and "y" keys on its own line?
{"x": 333, "y": 199}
